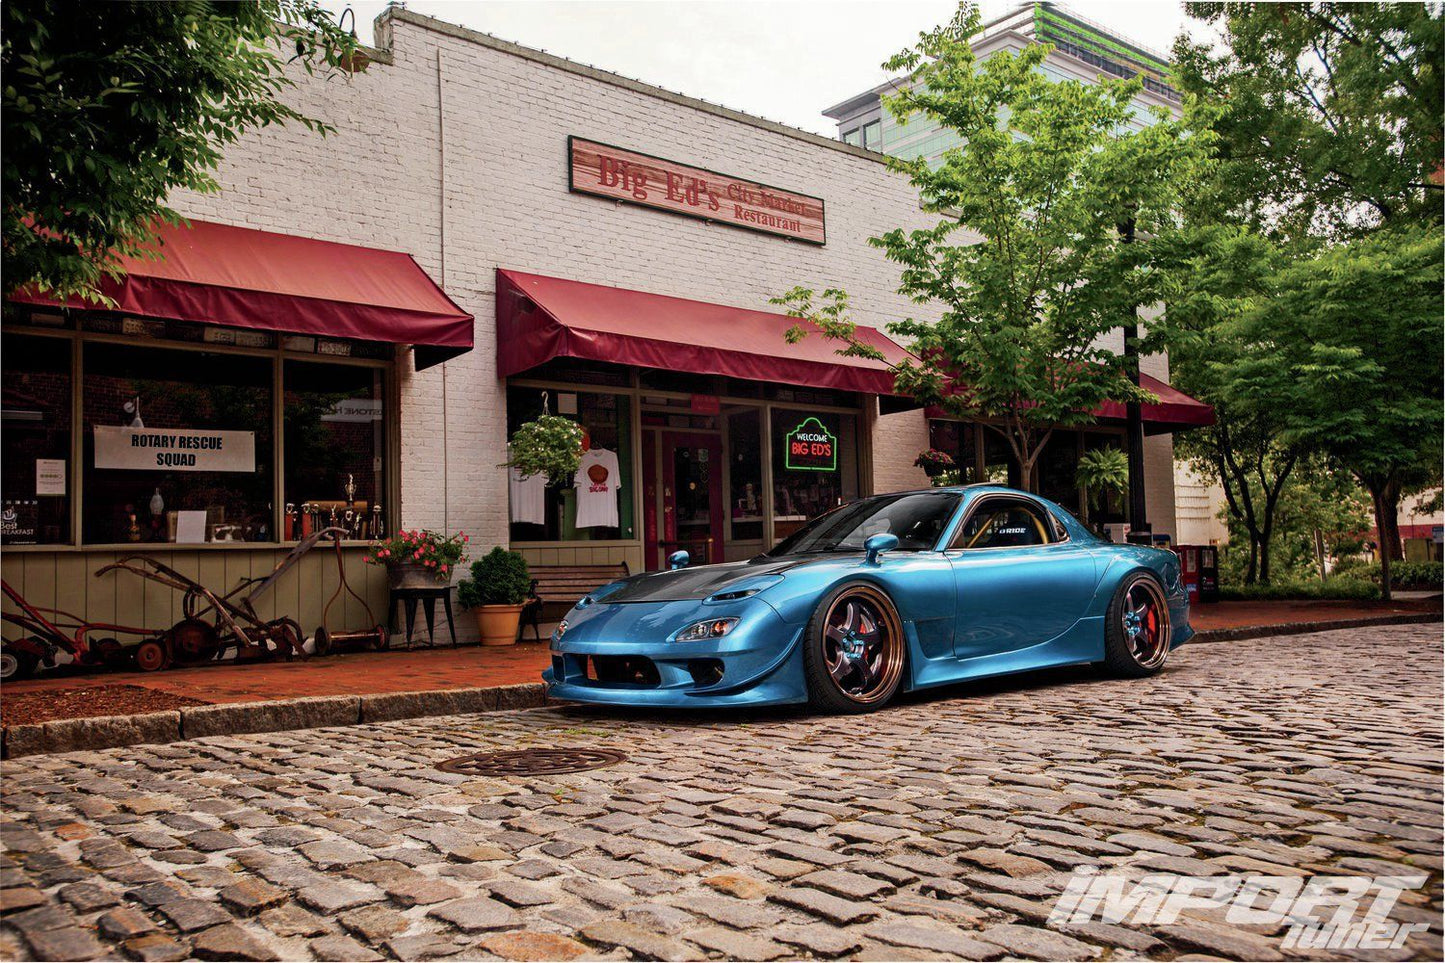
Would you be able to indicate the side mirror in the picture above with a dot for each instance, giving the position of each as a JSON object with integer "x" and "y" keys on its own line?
{"x": 679, "y": 559}
{"x": 876, "y": 545}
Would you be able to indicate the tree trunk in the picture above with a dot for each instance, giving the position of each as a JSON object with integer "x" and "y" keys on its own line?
{"x": 1264, "y": 559}
{"x": 1385, "y": 495}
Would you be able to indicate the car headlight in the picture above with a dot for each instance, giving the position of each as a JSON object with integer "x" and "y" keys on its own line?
{"x": 557, "y": 632}
{"x": 708, "y": 629}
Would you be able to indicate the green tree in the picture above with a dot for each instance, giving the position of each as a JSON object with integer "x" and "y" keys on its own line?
{"x": 110, "y": 107}
{"x": 1330, "y": 113}
{"x": 1026, "y": 267}
{"x": 1218, "y": 274}
{"x": 1347, "y": 349}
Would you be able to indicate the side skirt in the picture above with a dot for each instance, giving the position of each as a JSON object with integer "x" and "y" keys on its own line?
{"x": 1082, "y": 643}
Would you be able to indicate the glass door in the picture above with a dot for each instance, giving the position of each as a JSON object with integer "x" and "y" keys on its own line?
{"x": 685, "y": 497}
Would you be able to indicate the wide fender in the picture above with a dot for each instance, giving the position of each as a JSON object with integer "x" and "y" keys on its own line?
{"x": 919, "y": 583}
{"x": 1121, "y": 561}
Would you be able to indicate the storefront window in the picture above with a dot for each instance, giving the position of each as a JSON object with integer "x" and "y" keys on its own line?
{"x": 335, "y": 444}
{"x": 814, "y": 466}
{"x": 999, "y": 465}
{"x": 1057, "y": 469}
{"x": 955, "y": 439}
{"x": 745, "y": 475}
{"x": 178, "y": 445}
{"x": 601, "y": 507}
{"x": 36, "y": 421}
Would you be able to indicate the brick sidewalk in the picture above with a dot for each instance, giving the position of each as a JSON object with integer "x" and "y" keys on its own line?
{"x": 372, "y": 673}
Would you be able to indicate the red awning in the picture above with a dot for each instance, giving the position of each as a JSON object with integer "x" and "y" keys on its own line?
{"x": 1174, "y": 409}
{"x": 219, "y": 274}
{"x": 541, "y": 318}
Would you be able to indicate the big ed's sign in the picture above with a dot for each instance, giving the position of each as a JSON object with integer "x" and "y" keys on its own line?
{"x": 626, "y": 175}
{"x": 811, "y": 447}
{"x": 174, "y": 449}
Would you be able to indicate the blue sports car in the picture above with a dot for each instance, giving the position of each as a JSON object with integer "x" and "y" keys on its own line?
{"x": 883, "y": 595}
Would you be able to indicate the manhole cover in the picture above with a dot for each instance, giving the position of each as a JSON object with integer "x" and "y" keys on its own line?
{"x": 532, "y": 762}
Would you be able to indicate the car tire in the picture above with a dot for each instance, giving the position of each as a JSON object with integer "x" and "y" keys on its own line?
{"x": 854, "y": 650}
{"x": 1137, "y": 630}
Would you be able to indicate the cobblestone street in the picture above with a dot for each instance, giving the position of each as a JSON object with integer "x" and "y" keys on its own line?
{"x": 942, "y": 828}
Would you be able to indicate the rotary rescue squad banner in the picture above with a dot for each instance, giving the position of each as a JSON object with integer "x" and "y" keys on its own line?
{"x": 174, "y": 449}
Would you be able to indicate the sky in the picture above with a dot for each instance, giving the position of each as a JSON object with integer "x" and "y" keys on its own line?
{"x": 785, "y": 60}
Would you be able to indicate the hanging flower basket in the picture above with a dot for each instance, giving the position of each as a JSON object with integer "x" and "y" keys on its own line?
{"x": 551, "y": 446}
{"x": 934, "y": 462}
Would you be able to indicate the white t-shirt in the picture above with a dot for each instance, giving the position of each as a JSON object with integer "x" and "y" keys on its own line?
{"x": 529, "y": 498}
{"x": 597, "y": 484}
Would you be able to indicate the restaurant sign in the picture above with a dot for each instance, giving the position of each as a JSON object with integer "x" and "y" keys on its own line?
{"x": 626, "y": 175}
{"x": 174, "y": 449}
{"x": 811, "y": 447}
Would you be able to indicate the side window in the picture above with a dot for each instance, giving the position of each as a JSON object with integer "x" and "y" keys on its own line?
{"x": 1005, "y": 523}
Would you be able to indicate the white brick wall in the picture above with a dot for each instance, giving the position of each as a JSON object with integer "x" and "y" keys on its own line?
{"x": 379, "y": 181}
{"x": 456, "y": 154}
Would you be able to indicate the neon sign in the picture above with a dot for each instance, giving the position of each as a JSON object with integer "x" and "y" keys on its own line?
{"x": 811, "y": 447}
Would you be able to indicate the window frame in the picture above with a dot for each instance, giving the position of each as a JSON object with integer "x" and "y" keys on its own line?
{"x": 1052, "y": 525}
{"x": 73, "y": 331}
{"x": 865, "y": 141}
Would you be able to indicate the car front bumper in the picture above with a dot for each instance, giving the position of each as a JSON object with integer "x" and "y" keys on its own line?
{"x": 605, "y": 659}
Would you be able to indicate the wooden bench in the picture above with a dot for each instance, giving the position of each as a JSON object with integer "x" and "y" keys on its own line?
{"x": 556, "y": 588}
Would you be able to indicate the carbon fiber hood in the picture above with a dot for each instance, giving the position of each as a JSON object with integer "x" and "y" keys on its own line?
{"x": 704, "y": 580}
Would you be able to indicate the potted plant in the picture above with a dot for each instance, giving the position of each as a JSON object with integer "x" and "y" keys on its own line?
{"x": 497, "y": 591}
{"x": 418, "y": 558}
{"x": 1103, "y": 472}
{"x": 550, "y": 445}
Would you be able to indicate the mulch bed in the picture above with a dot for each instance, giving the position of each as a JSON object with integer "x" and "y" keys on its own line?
{"x": 28, "y": 708}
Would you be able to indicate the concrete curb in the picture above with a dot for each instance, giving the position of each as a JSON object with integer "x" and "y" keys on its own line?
{"x": 234, "y": 719}
{"x": 239, "y": 718}
{"x": 1303, "y": 628}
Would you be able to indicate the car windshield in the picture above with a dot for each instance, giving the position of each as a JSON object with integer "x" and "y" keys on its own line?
{"x": 917, "y": 518}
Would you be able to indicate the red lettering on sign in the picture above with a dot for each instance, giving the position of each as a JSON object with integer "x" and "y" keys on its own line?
{"x": 627, "y": 175}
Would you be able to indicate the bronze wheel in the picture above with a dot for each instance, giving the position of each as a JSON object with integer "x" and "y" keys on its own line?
{"x": 1138, "y": 631}
{"x": 856, "y": 650}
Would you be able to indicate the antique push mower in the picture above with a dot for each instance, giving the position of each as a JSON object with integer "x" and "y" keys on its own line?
{"x": 216, "y": 624}
{"x": 374, "y": 637}
{"x": 48, "y": 632}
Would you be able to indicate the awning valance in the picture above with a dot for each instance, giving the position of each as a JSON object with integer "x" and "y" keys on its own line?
{"x": 238, "y": 276}
{"x": 541, "y": 318}
{"x": 1174, "y": 411}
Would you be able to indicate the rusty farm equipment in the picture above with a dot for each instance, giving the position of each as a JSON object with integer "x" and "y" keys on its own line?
{"x": 215, "y": 624}
{"x": 46, "y": 632}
